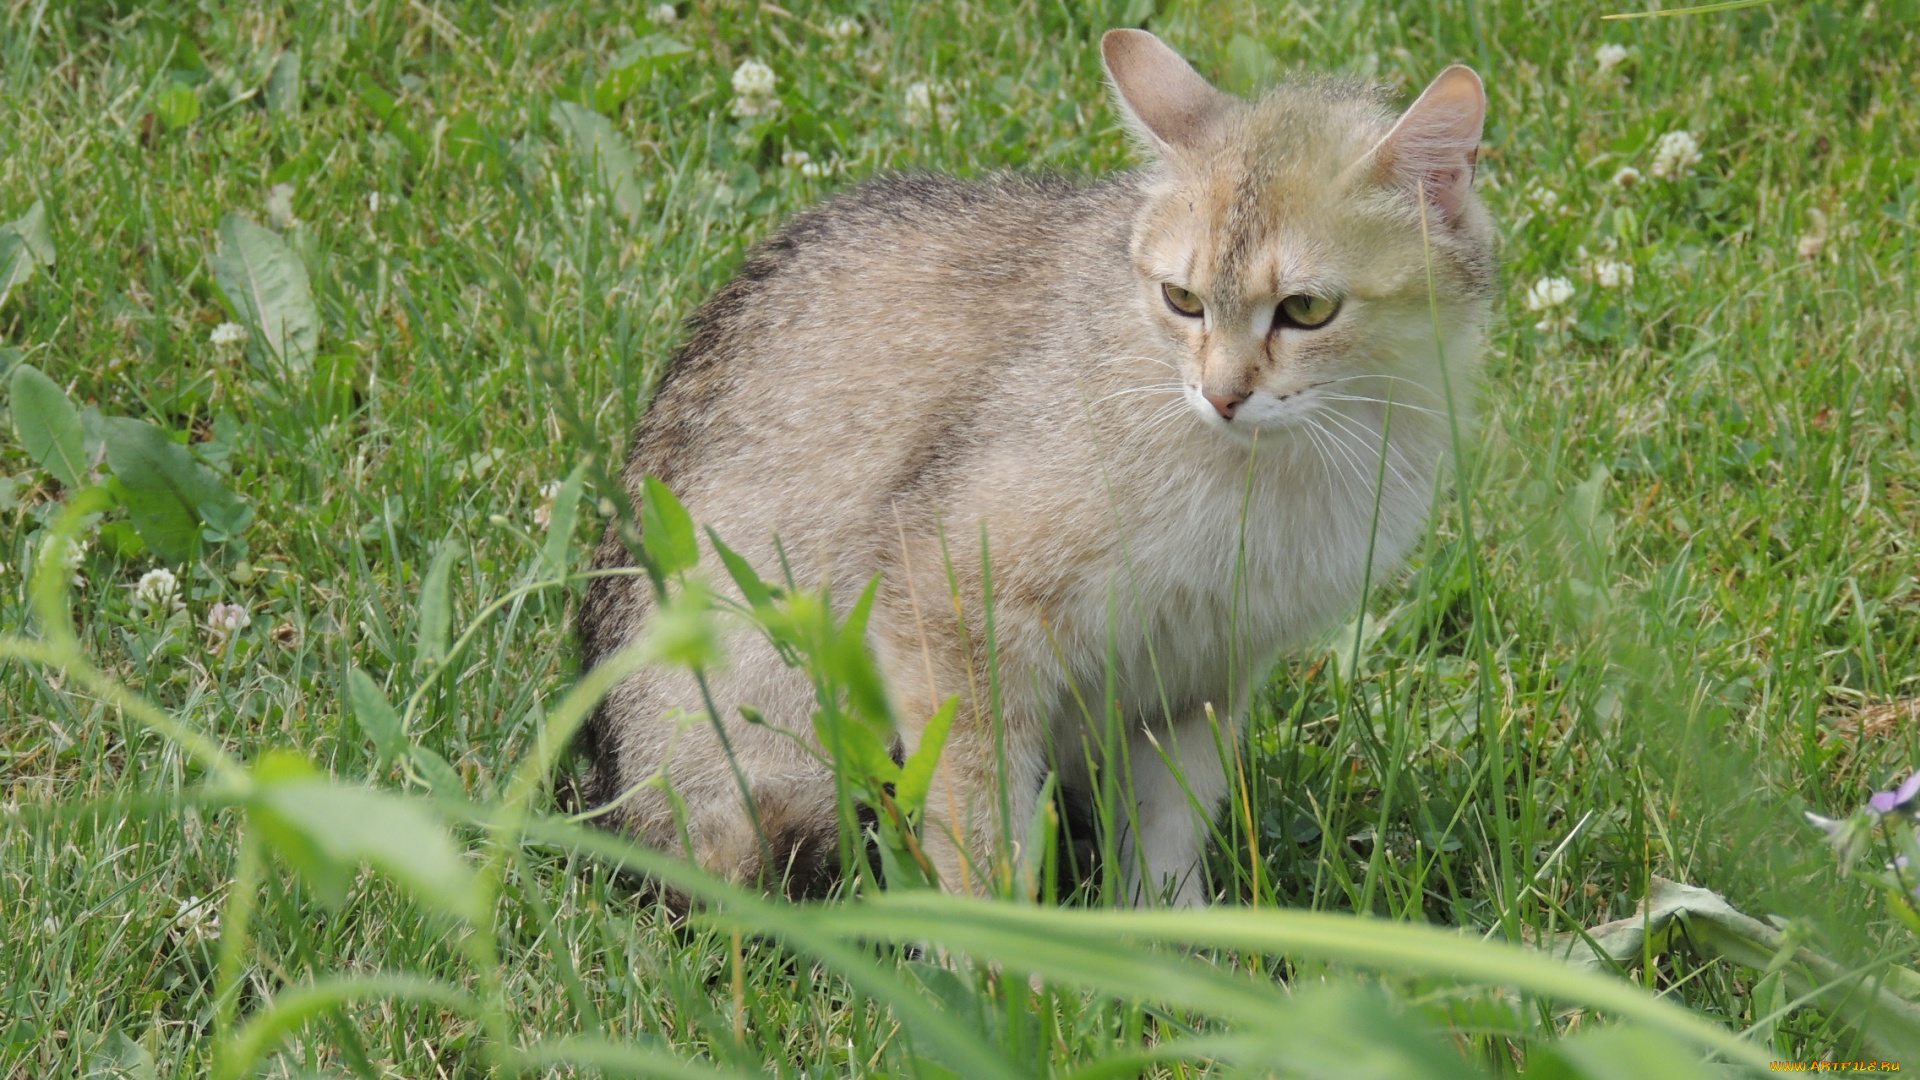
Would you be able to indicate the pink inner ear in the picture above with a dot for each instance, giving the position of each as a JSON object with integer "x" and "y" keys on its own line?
{"x": 1433, "y": 147}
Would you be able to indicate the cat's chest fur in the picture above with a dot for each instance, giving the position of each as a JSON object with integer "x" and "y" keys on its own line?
{"x": 1187, "y": 561}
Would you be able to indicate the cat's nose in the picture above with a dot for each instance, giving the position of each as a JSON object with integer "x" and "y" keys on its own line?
{"x": 1224, "y": 404}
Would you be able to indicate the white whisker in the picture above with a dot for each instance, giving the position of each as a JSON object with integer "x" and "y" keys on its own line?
{"x": 1175, "y": 389}
{"x": 1378, "y": 446}
{"x": 1383, "y": 401}
{"x": 1150, "y": 359}
{"x": 1430, "y": 391}
{"x": 1337, "y": 445}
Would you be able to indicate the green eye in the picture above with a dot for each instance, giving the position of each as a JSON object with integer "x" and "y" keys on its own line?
{"x": 1183, "y": 302}
{"x": 1304, "y": 312}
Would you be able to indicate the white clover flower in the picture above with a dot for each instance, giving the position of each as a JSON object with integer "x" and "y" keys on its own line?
{"x": 157, "y": 591}
{"x": 795, "y": 159}
{"x": 919, "y": 103}
{"x": 227, "y": 333}
{"x": 1627, "y": 177}
{"x": 196, "y": 920}
{"x": 226, "y": 620}
{"x": 1675, "y": 156}
{"x": 543, "y": 514}
{"x": 1549, "y": 292}
{"x": 1611, "y": 273}
{"x": 1547, "y": 296}
{"x": 1609, "y": 56}
{"x": 373, "y": 201}
{"x": 69, "y": 553}
{"x": 663, "y": 15}
{"x": 753, "y": 79}
{"x": 843, "y": 29}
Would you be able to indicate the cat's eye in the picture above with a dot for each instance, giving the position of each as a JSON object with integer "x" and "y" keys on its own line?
{"x": 1303, "y": 312}
{"x": 1182, "y": 301}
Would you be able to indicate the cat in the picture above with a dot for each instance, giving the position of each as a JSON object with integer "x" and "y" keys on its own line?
{"x": 1162, "y": 401}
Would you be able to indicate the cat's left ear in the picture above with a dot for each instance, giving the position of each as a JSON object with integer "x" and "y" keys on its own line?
{"x": 1436, "y": 144}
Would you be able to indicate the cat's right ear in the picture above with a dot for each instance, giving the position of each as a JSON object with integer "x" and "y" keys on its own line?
{"x": 1166, "y": 103}
{"x": 1435, "y": 146}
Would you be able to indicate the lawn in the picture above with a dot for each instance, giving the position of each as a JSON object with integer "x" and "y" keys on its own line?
{"x": 333, "y": 304}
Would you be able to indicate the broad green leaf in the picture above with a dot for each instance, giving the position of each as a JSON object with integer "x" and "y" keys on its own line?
{"x": 566, "y": 511}
{"x": 176, "y": 105}
{"x": 376, "y": 717}
{"x": 1070, "y": 946}
{"x": 601, "y": 148}
{"x": 327, "y": 829}
{"x": 743, "y": 574}
{"x": 902, "y": 870}
{"x": 666, "y": 530}
{"x": 48, "y": 425}
{"x": 121, "y": 538}
{"x": 860, "y": 752}
{"x": 31, "y": 227}
{"x": 916, "y": 776}
{"x": 164, "y": 486}
{"x": 97, "y": 499}
{"x": 328, "y": 876}
{"x": 1621, "y": 1052}
{"x": 852, "y": 665}
{"x": 1343, "y": 1032}
{"x": 224, "y": 521}
{"x": 283, "y": 85}
{"x": 441, "y": 777}
{"x": 267, "y": 284}
{"x": 633, "y": 66}
{"x": 435, "y": 623}
{"x": 681, "y": 631}
{"x": 121, "y": 1058}
{"x": 16, "y": 264}
{"x": 24, "y": 243}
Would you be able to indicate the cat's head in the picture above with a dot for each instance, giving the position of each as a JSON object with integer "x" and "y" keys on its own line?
{"x": 1287, "y": 243}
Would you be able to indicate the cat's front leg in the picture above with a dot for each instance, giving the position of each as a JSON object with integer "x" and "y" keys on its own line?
{"x": 1178, "y": 783}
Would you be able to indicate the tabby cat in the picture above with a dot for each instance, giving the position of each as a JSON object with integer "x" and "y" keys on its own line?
{"x": 1182, "y": 404}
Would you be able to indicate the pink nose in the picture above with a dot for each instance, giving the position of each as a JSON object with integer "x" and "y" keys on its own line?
{"x": 1224, "y": 404}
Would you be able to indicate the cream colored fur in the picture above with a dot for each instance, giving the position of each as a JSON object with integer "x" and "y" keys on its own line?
{"x": 923, "y": 362}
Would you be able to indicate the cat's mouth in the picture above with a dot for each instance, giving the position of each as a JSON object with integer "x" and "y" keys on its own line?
{"x": 1260, "y": 410}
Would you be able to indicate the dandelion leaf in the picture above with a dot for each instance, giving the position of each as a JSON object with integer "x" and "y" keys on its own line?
{"x": 48, "y": 425}
{"x": 164, "y": 486}
{"x": 267, "y": 285}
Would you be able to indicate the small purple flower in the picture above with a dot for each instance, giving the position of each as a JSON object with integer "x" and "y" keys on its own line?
{"x": 1886, "y": 802}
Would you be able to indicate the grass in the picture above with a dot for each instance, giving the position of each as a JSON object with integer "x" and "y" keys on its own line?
{"x": 1688, "y": 613}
